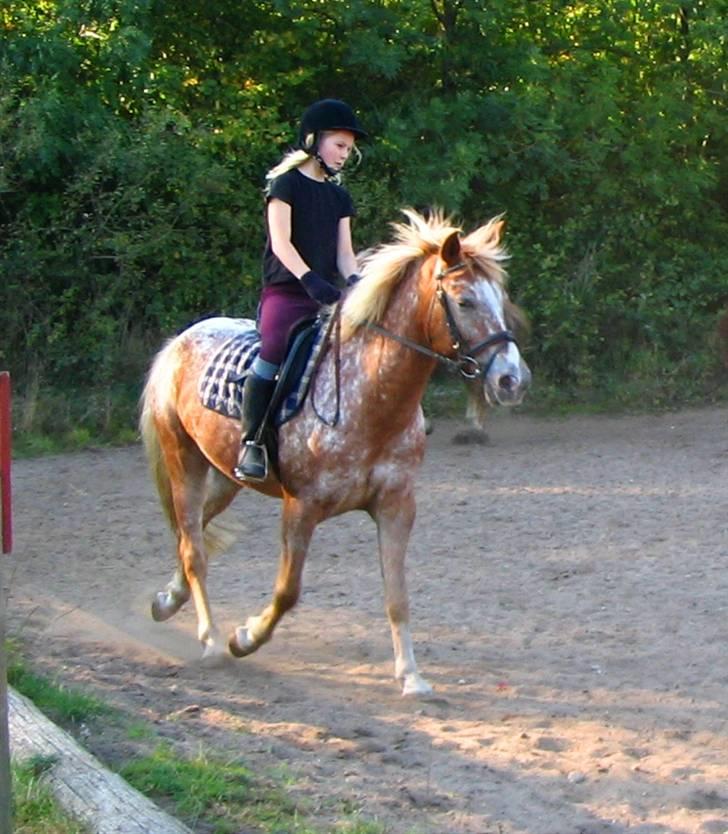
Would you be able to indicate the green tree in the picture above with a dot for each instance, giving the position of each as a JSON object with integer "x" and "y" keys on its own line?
{"x": 134, "y": 136}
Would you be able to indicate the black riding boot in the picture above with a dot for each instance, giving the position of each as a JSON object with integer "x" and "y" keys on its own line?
{"x": 252, "y": 459}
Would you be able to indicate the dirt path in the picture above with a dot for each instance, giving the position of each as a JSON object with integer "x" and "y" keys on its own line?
{"x": 570, "y": 598}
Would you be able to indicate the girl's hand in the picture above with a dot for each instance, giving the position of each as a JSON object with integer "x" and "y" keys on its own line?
{"x": 319, "y": 289}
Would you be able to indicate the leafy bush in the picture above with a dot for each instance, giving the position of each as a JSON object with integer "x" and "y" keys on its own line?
{"x": 135, "y": 136}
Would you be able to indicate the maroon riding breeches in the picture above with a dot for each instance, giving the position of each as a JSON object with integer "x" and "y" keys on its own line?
{"x": 282, "y": 307}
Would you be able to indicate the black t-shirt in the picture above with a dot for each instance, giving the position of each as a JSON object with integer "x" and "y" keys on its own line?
{"x": 316, "y": 209}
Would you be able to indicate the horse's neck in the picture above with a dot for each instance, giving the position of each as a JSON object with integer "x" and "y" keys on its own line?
{"x": 408, "y": 315}
{"x": 394, "y": 375}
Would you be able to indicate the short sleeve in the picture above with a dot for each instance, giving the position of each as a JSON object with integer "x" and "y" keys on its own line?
{"x": 282, "y": 188}
{"x": 347, "y": 204}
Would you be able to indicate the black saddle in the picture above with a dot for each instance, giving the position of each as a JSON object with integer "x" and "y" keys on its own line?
{"x": 294, "y": 379}
{"x": 292, "y": 375}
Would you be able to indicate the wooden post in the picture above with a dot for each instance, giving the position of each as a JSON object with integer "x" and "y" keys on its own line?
{"x": 7, "y": 540}
{"x": 5, "y": 780}
{"x": 5, "y": 458}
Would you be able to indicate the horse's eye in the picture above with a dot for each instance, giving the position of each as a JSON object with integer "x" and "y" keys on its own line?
{"x": 466, "y": 303}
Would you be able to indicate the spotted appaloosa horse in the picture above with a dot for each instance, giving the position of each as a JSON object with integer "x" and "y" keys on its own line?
{"x": 430, "y": 295}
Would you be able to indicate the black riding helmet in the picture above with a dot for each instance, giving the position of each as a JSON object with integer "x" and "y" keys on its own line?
{"x": 327, "y": 114}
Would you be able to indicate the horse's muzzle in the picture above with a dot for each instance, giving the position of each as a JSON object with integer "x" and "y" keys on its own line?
{"x": 507, "y": 381}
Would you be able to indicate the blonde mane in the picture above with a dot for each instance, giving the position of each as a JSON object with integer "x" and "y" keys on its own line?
{"x": 384, "y": 266}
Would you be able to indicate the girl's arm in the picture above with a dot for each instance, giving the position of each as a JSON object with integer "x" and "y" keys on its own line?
{"x": 279, "y": 229}
{"x": 345, "y": 257}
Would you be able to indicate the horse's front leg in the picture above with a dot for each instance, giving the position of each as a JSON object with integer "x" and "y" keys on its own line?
{"x": 395, "y": 514}
{"x": 297, "y": 527}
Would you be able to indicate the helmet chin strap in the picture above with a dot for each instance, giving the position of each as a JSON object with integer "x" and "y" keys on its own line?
{"x": 313, "y": 152}
{"x": 330, "y": 173}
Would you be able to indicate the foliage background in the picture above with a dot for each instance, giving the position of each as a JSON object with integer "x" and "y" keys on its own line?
{"x": 135, "y": 135}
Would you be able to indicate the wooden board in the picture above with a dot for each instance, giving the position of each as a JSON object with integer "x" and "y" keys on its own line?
{"x": 91, "y": 793}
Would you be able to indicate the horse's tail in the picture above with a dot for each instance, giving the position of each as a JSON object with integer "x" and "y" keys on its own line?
{"x": 157, "y": 396}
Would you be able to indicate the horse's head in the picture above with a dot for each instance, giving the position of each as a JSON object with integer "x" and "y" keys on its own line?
{"x": 462, "y": 315}
{"x": 477, "y": 322}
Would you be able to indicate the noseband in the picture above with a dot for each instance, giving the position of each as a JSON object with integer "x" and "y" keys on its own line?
{"x": 465, "y": 361}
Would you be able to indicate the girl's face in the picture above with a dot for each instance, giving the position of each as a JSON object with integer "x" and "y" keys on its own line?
{"x": 335, "y": 147}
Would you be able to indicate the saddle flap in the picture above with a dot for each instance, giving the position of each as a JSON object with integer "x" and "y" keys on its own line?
{"x": 293, "y": 377}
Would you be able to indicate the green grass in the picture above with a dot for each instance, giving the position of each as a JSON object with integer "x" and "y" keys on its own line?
{"x": 195, "y": 786}
{"x": 36, "y": 444}
{"x": 35, "y": 810}
{"x": 363, "y": 827}
{"x": 61, "y": 704}
{"x": 48, "y": 421}
{"x": 205, "y": 791}
{"x": 138, "y": 731}
{"x": 646, "y": 386}
{"x": 51, "y": 420}
{"x": 224, "y": 795}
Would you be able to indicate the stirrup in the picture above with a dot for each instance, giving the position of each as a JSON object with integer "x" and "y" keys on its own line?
{"x": 253, "y": 463}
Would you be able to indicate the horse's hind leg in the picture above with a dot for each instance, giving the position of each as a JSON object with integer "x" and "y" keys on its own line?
{"x": 168, "y": 602}
{"x": 297, "y": 528}
{"x": 220, "y": 493}
{"x": 395, "y": 515}
{"x": 187, "y": 472}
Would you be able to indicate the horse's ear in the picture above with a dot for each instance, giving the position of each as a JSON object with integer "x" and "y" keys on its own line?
{"x": 450, "y": 249}
{"x": 487, "y": 236}
{"x": 499, "y": 230}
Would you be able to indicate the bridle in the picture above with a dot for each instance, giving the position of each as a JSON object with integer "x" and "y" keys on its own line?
{"x": 465, "y": 361}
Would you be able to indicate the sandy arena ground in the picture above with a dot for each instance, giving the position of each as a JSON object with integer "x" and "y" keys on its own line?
{"x": 569, "y": 586}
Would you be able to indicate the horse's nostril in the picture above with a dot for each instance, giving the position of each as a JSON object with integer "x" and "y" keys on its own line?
{"x": 507, "y": 382}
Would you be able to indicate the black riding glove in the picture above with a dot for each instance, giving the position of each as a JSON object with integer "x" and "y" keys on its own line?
{"x": 319, "y": 289}
{"x": 354, "y": 278}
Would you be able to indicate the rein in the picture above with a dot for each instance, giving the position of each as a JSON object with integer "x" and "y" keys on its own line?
{"x": 465, "y": 361}
{"x": 334, "y": 326}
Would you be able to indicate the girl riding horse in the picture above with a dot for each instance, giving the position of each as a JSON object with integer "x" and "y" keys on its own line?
{"x": 308, "y": 221}
{"x": 429, "y": 296}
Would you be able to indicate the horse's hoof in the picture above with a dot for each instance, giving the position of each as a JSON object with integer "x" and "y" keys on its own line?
{"x": 161, "y": 609}
{"x": 214, "y": 657}
{"x": 416, "y": 687}
{"x": 240, "y": 644}
{"x": 214, "y": 651}
{"x": 471, "y": 437}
